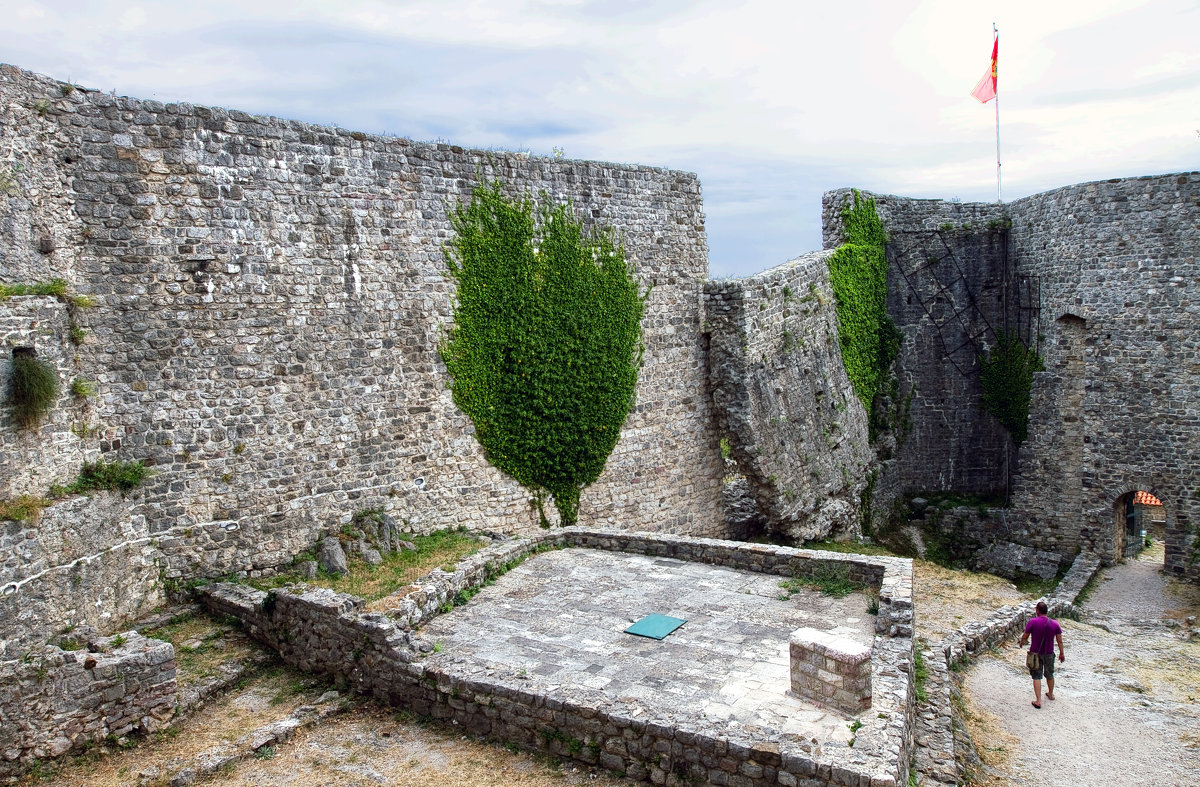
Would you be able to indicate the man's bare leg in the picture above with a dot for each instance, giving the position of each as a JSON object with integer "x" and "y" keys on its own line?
{"x": 1037, "y": 692}
{"x": 1049, "y": 688}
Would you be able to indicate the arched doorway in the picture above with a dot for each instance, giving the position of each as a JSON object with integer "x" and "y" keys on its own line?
{"x": 1139, "y": 522}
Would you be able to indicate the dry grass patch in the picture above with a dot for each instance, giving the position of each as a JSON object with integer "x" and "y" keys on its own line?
{"x": 375, "y": 745}
{"x": 1187, "y": 595}
{"x": 440, "y": 549}
{"x": 945, "y": 599}
{"x": 994, "y": 745}
{"x": 1170, "y": 671}
{"x": 202, "y": 644}
{"x": 270, "y": 697}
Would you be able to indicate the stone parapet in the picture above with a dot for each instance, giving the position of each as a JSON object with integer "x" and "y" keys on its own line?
{"x": 58, "y": 701}
{"x": 830, "y": 670}
{"x": 382, "y": 655}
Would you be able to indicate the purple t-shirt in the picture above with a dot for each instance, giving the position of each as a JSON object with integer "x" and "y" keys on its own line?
{"x": 1041, "y": 631}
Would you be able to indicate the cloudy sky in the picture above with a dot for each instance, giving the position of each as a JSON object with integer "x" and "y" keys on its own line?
{"x": 770, "y": 103}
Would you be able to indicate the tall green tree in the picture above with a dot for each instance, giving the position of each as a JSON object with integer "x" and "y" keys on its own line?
{"x": 546, "y": 345}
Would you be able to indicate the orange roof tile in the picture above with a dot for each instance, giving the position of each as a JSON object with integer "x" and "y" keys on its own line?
{"x": 1145, "y": 499}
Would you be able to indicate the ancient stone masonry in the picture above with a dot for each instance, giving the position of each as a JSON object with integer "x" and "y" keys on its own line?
{"x": 87, "y": 562}
{"x": 60, "y": 700}
{"x": 830, "y": 670}
{"x": 52, "y": 450}
{"x": 1098, "y": 277}
{"x": 269, "y": 300}
{"x": 795, "y": 427}
{"x": 948, "y": 293}
{"x": 1118, "y": 266}
{"x": 381, "y": 654}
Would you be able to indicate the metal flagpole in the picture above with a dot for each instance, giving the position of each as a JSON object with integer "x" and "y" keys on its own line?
{"x": 996, "y": 87}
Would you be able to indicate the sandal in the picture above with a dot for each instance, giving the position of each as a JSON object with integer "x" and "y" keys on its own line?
{"x": 1034, "y": 704}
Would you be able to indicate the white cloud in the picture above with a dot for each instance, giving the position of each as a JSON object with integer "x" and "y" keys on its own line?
{"x": 770, "y": 103}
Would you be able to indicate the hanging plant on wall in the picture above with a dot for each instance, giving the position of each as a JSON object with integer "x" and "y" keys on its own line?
{"x": 868, "y": 338}
{"x": 546, "y": 345}
{"x": 1006, "y": 374}
{"x": 32, "y": 389}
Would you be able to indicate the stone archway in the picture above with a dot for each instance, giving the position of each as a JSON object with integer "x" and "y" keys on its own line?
{"x": 1139, "y": 519}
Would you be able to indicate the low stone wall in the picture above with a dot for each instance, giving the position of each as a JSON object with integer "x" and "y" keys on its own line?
{"x": 58, "y": 701}
{"x": 831, "y": 670}
{"x": 1013, "y": 560}
{"x": 975, "y": 638}
{"x": 933, "y": 719}
{"x": 87, "y": 562}
{"x": 379, "y": 654}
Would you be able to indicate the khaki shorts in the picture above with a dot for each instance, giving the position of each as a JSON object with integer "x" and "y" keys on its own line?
{"x": 1045, "y": 665}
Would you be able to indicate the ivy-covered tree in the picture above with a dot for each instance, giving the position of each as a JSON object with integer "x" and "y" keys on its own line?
{"x": 1006, "y": 374}
{"x": 546, "y": 344}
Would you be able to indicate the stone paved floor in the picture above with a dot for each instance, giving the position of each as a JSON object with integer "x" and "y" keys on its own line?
{"x": 557, "y": 622}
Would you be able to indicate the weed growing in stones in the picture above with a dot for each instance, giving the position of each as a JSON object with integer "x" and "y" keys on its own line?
{"x": 100, "y": 475}
{"x": 920, "y": 674}
{"x": 32, "y": 389}
{"x": 832, "y": 579}
{"x": 22, "y": 508}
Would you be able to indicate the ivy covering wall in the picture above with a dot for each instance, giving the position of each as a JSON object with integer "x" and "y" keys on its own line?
{"x": 1006, "y": 374}
{"x": 858, "y": 273}
{"x": 546, "y": 345}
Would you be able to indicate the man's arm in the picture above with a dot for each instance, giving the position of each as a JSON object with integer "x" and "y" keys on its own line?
{"x": 1062, "y": 656}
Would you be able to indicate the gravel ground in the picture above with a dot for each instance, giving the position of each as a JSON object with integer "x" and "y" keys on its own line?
{"x": 1127, "y": 708}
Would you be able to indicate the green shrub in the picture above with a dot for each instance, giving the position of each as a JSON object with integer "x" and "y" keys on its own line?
{"x": 546, "y": 345}
{"x": 54, "y": 287}
{"x": 32, "y": 389}
{"x": 82, "y": 388}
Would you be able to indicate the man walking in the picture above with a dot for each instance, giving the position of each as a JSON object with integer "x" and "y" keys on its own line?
{"x": 1042, "y": 632}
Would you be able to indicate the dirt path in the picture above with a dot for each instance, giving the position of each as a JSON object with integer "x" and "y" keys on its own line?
{"x": 1127, "y": 708}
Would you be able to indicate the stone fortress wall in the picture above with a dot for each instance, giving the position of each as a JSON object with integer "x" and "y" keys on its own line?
{"x": 1118, "y": 408}
{"x": 784, "y": 402}
{"x": 269, "y": 296}
{"x": 269, "y": 299}
{"x": 1101, "y": 278}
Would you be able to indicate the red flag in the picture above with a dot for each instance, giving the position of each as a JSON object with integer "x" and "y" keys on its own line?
{"x": 985, "y": 91}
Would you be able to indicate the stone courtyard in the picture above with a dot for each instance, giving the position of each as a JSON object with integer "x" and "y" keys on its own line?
{"x": 558, "y": 621}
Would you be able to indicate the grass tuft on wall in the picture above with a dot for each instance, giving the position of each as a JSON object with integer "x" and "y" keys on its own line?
{"x": 33, "y": 388}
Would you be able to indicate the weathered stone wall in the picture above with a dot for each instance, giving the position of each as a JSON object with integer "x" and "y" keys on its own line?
{"x": 1118, "y": 266}
{"x": 33, "y": 458}
{"x": 270, "y": 296}
{"x": 327, "y": 632}
{"x": 87, "y": 562}
{"x": 949, "y": 290}
{"x": 1100, "y": 278}
{"x": 795, "y": 427}
{"x": 58, "y": 701}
